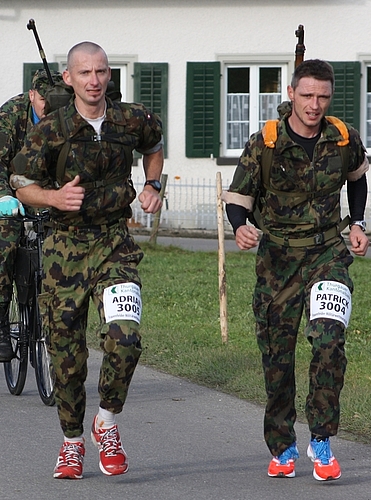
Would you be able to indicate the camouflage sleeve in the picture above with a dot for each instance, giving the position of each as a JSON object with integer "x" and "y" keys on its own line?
{"x": 32, "y": 161}
{"x": 245, "y": 184}
{"x": 155, "y": 148}
{"x": 151, "y": 130}
{"x": 7, "y": 128}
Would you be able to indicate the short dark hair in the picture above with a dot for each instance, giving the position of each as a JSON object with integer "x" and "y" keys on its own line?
{"x": 315, "y": 68}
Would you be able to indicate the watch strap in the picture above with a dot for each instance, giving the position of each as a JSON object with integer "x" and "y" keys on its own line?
{"x": 154, "y": 183}
{"x": 360, "y": 223}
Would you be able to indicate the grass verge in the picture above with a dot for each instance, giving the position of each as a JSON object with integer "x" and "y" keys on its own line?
{"x": 181, "y": 330}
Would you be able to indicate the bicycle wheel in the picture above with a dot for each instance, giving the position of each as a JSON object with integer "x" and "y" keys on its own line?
{"x": 16, "y": 369}
{"x": 42, "y": 365}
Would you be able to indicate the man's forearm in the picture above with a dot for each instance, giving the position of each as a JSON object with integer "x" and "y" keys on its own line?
{"x": 35, "y": 196}
{"x": 153, "y": 164}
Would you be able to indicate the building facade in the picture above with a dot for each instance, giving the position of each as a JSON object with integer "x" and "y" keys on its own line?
{"x": 214, "y": 70}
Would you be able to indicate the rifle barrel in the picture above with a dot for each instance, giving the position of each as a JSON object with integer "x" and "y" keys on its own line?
{"x": 32, "y": 26}
{"x": 300, "y": 47}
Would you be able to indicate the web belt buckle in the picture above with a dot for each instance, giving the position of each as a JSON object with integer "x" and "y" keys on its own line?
{"x": 319, "y": 239}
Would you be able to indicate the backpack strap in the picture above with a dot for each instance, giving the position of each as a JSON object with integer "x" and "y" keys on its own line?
{"x": 342, "y": 128}
{"x": 269, "y": 132}
{"x": 344, "y": 151}
{"x": 62, "y": 157}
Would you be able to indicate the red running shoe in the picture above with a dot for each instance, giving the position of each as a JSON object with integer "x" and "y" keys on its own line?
{"x": 284, "y": 465}
{"x": 112, "y": 456}
{"x": 326, "y": 467}
{"x": 70, "y": 461}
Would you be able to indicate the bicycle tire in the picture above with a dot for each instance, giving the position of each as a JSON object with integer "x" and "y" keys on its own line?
{"x": 42, "y": 366}
{"x": 16, "y": 369}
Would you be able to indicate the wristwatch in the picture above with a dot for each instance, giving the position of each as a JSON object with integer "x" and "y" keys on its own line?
{"x": 360, "y": 223}
{"x": 155, "y": 184}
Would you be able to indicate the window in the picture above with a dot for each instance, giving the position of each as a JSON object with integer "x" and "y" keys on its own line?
{"x": 229, "y": 99}
{"x": 252, "y": 95}
{"x": 119, "y": 78}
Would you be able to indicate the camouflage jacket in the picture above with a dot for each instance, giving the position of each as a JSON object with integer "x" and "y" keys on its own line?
{"x": 15, "y": 123}
{"x": 284, "y": 208}
{"x": 103, "y": 162}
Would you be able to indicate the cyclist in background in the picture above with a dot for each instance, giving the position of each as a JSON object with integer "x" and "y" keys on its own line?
{"x": 17, "y": 116}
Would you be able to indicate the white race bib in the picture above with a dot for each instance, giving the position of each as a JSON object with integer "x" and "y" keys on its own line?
{"x": 331, "y": 299}
{"x": 122, "y": 301}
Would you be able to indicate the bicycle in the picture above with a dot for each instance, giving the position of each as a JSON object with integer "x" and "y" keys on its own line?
{"x": 24, "y": 314}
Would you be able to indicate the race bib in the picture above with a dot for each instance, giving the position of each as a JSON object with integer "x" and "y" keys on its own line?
{"x": 122, "y": 301}
{"x": 331, "y": 299}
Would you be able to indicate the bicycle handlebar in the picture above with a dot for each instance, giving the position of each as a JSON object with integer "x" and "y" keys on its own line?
{"x": 44, "y": 215}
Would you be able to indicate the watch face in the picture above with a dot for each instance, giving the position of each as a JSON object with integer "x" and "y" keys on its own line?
{"x": 155, "y": 184}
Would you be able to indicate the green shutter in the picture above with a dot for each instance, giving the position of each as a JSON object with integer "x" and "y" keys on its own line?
{"x": 29, "y": 70}
{"x": 203, "y": 109}
{"x": 346, "y": 100}
{"x": 151, "y": 89}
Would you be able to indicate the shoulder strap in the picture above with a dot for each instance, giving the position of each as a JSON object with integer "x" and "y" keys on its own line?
{"x": 269, "y": 132}
{"x": 62, "y": 157}
{"x": 344, "y": 151}
{"x": 342, "y": 128}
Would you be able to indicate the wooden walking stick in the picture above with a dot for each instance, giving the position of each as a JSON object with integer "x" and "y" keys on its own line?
{"x": 221, "y": 260}
{"x": 156, "y": 220}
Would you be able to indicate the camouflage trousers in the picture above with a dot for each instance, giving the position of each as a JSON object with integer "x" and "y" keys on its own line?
{"x": 78, "y": 266}
{"x": 10, "y": 232}
{"x": 285, "y": 277}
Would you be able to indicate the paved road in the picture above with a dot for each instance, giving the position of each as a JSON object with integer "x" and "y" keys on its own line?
{"x": 184, "y": 442}
{"x": 193, "y": 244}
{"x": 200, "y": 244}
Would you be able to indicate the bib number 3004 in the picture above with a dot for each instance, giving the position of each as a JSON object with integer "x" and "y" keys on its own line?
{"x": 331, "y": 299}
{"x": 122, "y": 301}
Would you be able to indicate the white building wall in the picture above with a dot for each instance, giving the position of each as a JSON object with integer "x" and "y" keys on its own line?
{"x": 177, "y": 31}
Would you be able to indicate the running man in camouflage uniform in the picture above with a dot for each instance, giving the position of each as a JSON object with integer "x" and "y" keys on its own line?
{"x": 89, "y": 254}
{"x": 302, "y": 262}
{"x": 17, "y": 116}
